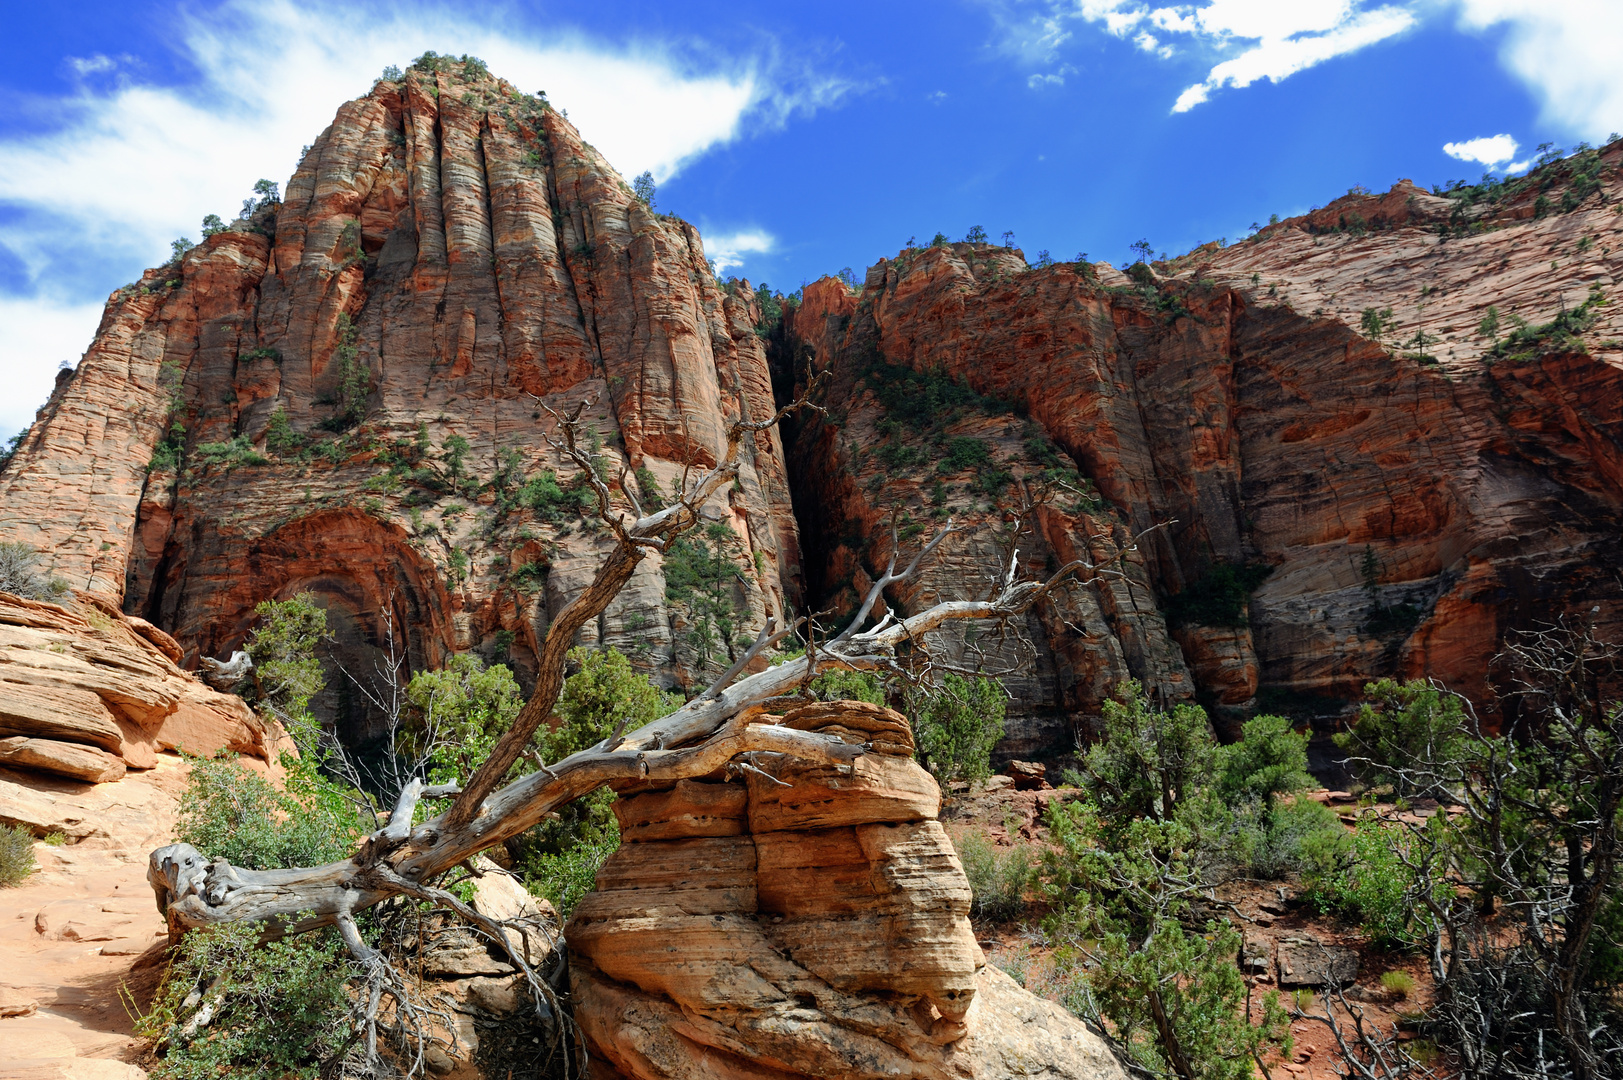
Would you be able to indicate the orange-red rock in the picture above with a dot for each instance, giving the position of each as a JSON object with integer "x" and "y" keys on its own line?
{"x": 487, "y": 261}
{"x": 1230, "y": 398}
{"x": 79, "y": 672}
{"x": 803, "y": 948}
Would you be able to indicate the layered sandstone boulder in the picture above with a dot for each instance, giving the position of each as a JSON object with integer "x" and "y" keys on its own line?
{"x": 803, "y": 921}
{"x": 86, "y": 693}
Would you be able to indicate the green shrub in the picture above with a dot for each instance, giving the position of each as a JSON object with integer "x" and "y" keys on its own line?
{"x": 839, "y": 685}
{"x": 283, "y": 441}
{"x": 965, "y": 452}
{"x": 1219, "y": 598}
{"x": 458, "y": 713}
{"x": 700, "y": 573}
{"x": 1401, "y": 726}
{"x": 899, "y": 457}
{"x": 354, "y": 380}
{"x": 998, "y": 879}
{"x": 1376, "y": 323}
{"x": 926, "y": 401}
{"x": 643, "y": 188}
{"x": 771, "y": 306}
{"x": 1148, "y": 762}
{"x": 1189, "y": 983}
{"x": 1271, "y": 842}
{"x": 543, "y": 494}
{"x": 559, "y": 857}
{"x": 19, "y": 573}
{"x": 230, "y": 454}
{"x": 287, "y": 673}
{"x": 1362, "y": 878}
{"x": 232, "y": 813}
{"x": 16, "y": 855}
{"x": 566, "y": 875}
{"x": 1400, "y": 984}
{"x": 1561, "y": 334}
{"x": 279, "y": 1006}
{"x": 9, "y": 448}
{"x": 1269, "y": 760}
{"x": 956, "y": 724}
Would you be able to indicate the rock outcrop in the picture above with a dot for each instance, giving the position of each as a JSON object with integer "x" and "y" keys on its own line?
{"x": 346, "y": 394}
{"x": 87, "y": 692}
{"x": 1410, "y": 509}
{"x": 750, "y": 929}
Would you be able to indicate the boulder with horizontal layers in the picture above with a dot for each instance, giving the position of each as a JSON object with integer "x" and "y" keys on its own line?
{"x": 87, "y": 692}
{"x": 750, "y": 929}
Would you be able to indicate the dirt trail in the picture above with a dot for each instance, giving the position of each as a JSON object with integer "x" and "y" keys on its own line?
{"x": 84, "y": 925}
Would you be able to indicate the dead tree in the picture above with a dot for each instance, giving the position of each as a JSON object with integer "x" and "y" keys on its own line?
{"x": 1512, "y": 892}
{"x": 727, "y": 724}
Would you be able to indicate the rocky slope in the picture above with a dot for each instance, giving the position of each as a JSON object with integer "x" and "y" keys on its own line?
{"x": 750, "y": 929}
{"x": 1409, "y": 506}
{"x": 346, "y": 393}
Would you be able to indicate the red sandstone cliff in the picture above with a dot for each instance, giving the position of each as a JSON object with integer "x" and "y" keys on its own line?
{"x": 459, "y": 245}
{"x": 455, "y": 250}
{"x": 1267, "y": 431}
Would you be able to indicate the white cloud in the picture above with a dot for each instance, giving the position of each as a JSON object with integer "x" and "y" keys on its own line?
{"x": 41, "y": 334}
{"x": 1278, "y": 58}
{"x": 1489, "y": 150}
{"x": 727, "y": 250}
{"x": 127, "y": 164}
{"x": 1566, "y": 51}
{"x": 1262, "y": 39}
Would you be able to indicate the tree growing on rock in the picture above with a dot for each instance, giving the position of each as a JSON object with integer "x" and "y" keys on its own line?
{"x": 724, "y": 727}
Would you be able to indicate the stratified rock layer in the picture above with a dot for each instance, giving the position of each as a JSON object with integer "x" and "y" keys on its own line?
{"x": 450, "y": 261}
{"x": 749, "y": 929}
{"x": 1413, "y": 513}
{"x": 86, "y": 693}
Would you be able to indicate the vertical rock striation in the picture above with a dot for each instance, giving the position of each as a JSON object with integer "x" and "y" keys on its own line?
{"x": 1408, "y": 513}
{"x": 346, "y": 393}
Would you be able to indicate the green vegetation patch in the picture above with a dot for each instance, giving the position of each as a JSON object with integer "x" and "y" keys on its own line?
{"x": 1221, "y": 597}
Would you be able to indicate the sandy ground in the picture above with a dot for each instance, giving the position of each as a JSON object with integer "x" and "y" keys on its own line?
{"x": 84, "y": 932}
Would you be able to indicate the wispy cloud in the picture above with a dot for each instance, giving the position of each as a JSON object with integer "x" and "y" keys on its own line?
{"x": 125, "y": 164}
{"x": 1566, "y": 51}
{"x": 42, "y": 332}
{"x": 1489, "y": 150}
{"x": 1254, "y": 39}
{"x": 1282, "y": 51}
{"x": 728, "y": 250}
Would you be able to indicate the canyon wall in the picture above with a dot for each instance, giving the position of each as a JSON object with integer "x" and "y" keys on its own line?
{"x": 1390, "y": 510}
{"x": 1374, "y": 439}
{"x": 348, "y": 393}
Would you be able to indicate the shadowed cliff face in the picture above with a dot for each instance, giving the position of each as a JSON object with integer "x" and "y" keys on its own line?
{"x": 1408, "y": 514}
{"x": 450, "y": 260}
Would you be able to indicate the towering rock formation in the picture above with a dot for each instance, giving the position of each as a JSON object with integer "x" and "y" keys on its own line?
{"x": 1358, "y": 452}
{"x": 346, "y": 392}
{"x": 1411, "y": 500}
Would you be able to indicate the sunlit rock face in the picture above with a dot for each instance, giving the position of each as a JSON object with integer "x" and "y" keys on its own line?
{"x": 1413, "y": 504}
{"x": 747, "y": 928}
{"x": 347, "y": 393}
{"x": 450, "y": 261}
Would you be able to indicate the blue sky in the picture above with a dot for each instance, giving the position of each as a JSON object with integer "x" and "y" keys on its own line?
{"x": 800, "y": 138}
